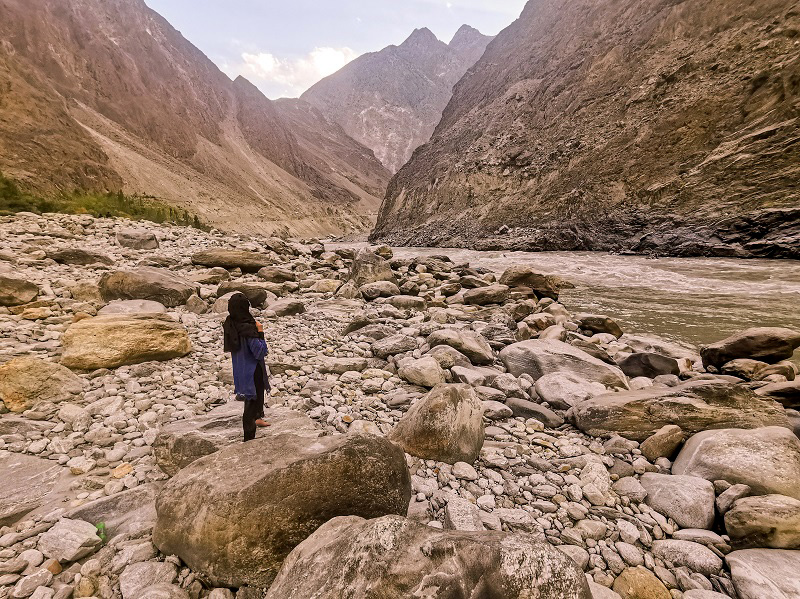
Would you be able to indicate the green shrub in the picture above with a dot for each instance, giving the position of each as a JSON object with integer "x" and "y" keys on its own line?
{"x": 136, "y": 207}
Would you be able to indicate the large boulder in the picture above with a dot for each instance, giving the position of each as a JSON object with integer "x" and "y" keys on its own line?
{"x": 111, "y": 341}
{"x": 137, "y": 239}
{"x": 563, "y": 390}
{"x": 26, "y": 483}
{"x": 694, "y": 406}
{"x": 69, "y": 540}
{"x": 15, "y": 291}
{"x": 396, "y": 558}
{"x": 277, "y": 274}
{"x": 234, "y": 515}
{"x": 146, "y": 283}
{"x": 524, "y": 276}
{"x": 230, "y": 259}
{"x": 764, "y": 521}
{"x": 369, "y": 267}
{"x": 786, "y": 393}
{"x": 393, "y": 344}
{"x": 765, "y": 573}
{"x": 446, "y": 425}
{"x": 598, "y": 323}
{"x": 768, "y": 344}
{"x": 767, "y": 459}
{"x": 473, "y": 345}
{"x": 538, "y": 357}
{"x": 688, "y": 500}
{"x": 180, "y": 443}
{"x": 287, "y": 307}
{"x": 27, "y": 380}
{"x": 79, "y": 257}
{"x": 491, "y": 294}
{"x": 371, "y": 291}
{"x": 648, "y": 364}
{"x": 424, "y": 372}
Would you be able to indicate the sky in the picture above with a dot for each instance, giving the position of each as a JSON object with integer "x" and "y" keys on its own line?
{"x": 284, "y": 47}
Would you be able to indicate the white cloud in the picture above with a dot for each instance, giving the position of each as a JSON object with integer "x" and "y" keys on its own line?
{"x": 290, "y": 77}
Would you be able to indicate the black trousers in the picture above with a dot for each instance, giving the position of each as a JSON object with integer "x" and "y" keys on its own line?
{"x": 254, "y": 409}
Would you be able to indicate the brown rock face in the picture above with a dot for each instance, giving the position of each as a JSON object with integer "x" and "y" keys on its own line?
{"x": 663, "y": 127}
{"x": 106, "y": 95}
{"x": 391, "y": 100}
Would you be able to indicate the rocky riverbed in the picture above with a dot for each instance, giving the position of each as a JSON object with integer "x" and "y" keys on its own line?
{"x": 437, "y": 431}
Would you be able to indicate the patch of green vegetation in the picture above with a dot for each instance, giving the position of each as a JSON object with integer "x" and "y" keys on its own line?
{"x": 13, "y": 199}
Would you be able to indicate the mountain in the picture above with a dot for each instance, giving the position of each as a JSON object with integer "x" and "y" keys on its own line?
{"x": 667, "y": 127}
{"x": 106, "y": 95}
{"x": 391, "y": 100}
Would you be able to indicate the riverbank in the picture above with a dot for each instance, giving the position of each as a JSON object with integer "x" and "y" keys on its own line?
{"x": 432, "y": 398}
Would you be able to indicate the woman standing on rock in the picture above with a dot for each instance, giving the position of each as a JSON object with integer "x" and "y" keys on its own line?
{"x": 244, "y": 338}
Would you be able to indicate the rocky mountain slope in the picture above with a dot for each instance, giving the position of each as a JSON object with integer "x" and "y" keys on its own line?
{"x": 109, "y": 96}
{"x": 666, "y": 127}
{"x": 391, "y": 100}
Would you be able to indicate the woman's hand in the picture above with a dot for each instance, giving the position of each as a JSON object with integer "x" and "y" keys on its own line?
{"x": 259, "y": 327}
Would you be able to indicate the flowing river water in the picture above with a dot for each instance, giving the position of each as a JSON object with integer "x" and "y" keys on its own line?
{"x": 690, "y": 300}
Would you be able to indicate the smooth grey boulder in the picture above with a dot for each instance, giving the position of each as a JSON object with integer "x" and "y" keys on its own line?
{"x": 395, "y": 558}
{"x": 69, "y": 540}
{"x": 234, "y": 515}
{"x": 473, "y": 345}
{"x": 148, "y": 283}
{"x": 694, "y": 406}
{"x": 445, "y": 425}
{"x": 369, "y": 267}
{"x": 180, "y": 443}
{"x": 229, "y": 259}
{"x": 538, "y": 357}
{"x": 563, "y": 390}
{"x": 786, "y": 393}
{"x": 765, "y": 573}
{"x": 767, "y": 459}
{"x": 768, "y": 344}
{"x": 694, "y": 556}
{"x": 342, "y": 365}
{"x": 137, "y": 239}
{"x": 277, "y": 274}
{"x": 764, "y": 521}
{"x": 424, "y": 372}
{"x": 393, "y": 344}
{"x": 688, "y": 500}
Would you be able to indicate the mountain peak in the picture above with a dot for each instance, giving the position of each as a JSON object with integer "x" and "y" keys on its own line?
{"x": 422, "y": 36}
{"x": 468, "y": 36}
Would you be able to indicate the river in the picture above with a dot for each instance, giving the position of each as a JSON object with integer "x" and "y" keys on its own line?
{"x": 690, "y": 300}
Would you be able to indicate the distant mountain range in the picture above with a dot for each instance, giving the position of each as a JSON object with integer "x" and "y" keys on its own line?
{"x": 107, "y": 95}
{"x": 391, "y": 100}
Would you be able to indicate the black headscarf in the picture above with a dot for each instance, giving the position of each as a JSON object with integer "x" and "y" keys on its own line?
{"x": 239, "y": 324}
